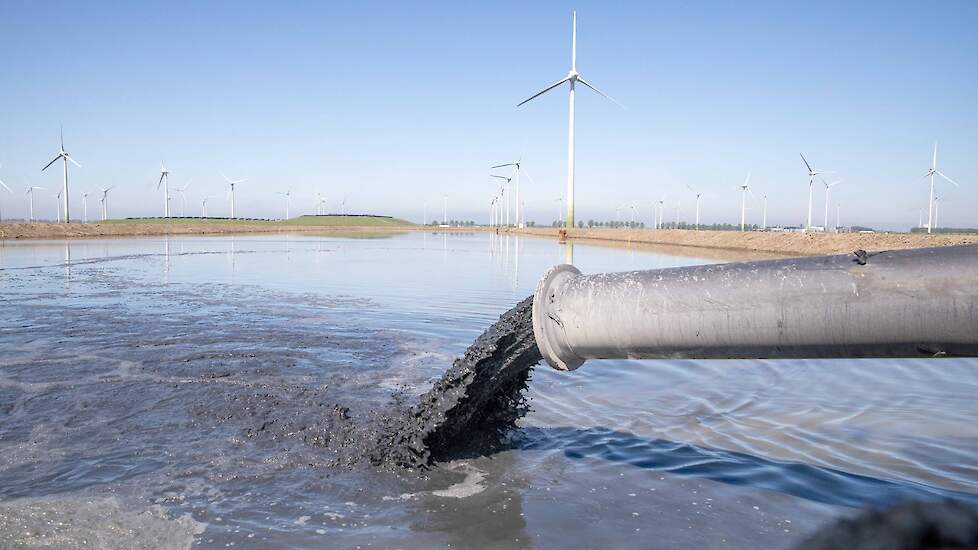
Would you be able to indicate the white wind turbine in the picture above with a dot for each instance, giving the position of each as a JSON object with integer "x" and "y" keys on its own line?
{"x": 505, "y": 190}
{"x": 744, "y": 189}
{"x": 165, "y": 182}
{"x": 931, "y": 208}
{"x": 661, "y": 213}
{"x": 84, "y": 207}
{"x": 4, "y": 185}
{"x": 30, "y": 195}
{"x": 698, "y": 195}
{"x": 811, "y": 186}
{"x": 288, "y": 199}
{"x": 64, "y": 157}
{"x": 58, "y": 203}
{"x": 203, "y": 205}
{"x": 573, "y": 77}
{"x": 231, "y": 184}
{"x": 516, "y": 174}
{"x": 105, "y": 201}
{"x": 828, "y": 187}
{"x": 183, "y": 197}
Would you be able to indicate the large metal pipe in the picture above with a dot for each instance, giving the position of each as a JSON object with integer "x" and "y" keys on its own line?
{"x": 906, "y": 303}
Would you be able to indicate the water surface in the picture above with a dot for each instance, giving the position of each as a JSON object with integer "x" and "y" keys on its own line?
{"x": 171, "y": 390}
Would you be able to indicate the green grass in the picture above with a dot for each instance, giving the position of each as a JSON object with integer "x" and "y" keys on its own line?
{"x": 301, "y": 221}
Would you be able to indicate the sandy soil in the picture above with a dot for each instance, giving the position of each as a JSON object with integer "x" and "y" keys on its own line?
{"x": 790, "y": 244}
{"x": 62, "y": 231}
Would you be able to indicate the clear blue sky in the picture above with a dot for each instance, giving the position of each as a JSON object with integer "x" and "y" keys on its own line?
{"x": 395, "y": 104}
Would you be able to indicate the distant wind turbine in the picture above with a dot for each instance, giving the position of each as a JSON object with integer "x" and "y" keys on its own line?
{"x": 573, "y": 77}
{"x": 932, "y": 207}
{"x": 165, "y": 182}
{"x": 505, "y": 188}
{"x": 84, "y": 207}
{"x": 30, "y": 194}
{"x": 4, "y": 185}
{"x": 105, "y": 201}
{"x": 58, "y": 203}
{"x": 183, "y": 197}
{"x": 232, "y": 183}
{"x": 744, "y": 189}
{"x": 811, "y": 186}
{"x": 518, "y": 171}
{"x": 764, "y": 217}
{"x": 288, "y": 199}
{"x": 203, "y": 206}
{"x": 64, "y": 157}
{"x": 698, "y": 195}
{"x": 828, "y": 187}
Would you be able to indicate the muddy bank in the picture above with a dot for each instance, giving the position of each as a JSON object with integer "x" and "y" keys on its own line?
{"x": 789, "y": 244}
{"x": 74, "y": 231}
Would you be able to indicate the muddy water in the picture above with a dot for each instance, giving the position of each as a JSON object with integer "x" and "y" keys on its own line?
{"x": 155, "y": 393}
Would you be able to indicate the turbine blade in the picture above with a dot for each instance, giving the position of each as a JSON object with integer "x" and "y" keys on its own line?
{"x": 502, "y": 165}
{"x": 72, "y": 160}
{"x": 50, "y": 163}
{"x": 5, "y": 187}
{"x": 500, "y": 177}
{"x": 947, "y": 178}
{"x": 934, "y": 165}
{"x": 160, "y": 182}
{"x": 545, "y": 90}
{"x": 809, "y": 166}
{"x": 606, "y": 96}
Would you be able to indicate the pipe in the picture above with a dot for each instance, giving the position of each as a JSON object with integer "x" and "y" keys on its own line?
{"x": 906, "y": 303}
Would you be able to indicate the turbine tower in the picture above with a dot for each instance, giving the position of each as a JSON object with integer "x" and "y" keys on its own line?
{"x": 288, "y": 199}
{"x": 573, "y": 77}
{"x": 698, "y": 195}
{"x": 105, "y": 202}
{"x": 931, "y": 214}
{"x": 165, "y": 182}
{"x": 85, "y": 207}
{"x": 828, "y": 187}
{"x": 4, "y": 185}
{"x": 183, "y": 197}
{"x": 232, "y": 183}
{"x": 203, "y": 206}
{"x": 30, "y": 194}
{"x": 811, "y": 185}
{"x": 744, "y": 189}
{"x": 506, "y": 190}
{"x": 64, "y": 157}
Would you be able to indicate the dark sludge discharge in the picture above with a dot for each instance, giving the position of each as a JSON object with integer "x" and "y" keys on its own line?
{"x": 477, "y": 402}
{"x": 469, "y": 411}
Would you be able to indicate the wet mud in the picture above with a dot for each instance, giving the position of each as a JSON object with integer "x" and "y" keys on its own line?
{"x": 472, "y": 409}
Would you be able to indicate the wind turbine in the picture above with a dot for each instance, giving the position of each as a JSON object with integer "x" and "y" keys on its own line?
{"x": 573, "y": 77}
{"x": 4, "y": 185}
{"x": 811, "y": 183}
{"x": 64, "y": 157}
{"x": 288, "y": 199}
{"x": 203, "y": 205}
{"x": 58, "y": 203}
{"x": 30, "y": 193}
{"x": 662, "y": 212}
{"x": 744, "y": 189}
{"x": 764, "y": 217}
{"x": 165, "y": 182}
{"x": 232, "y": 183}
{"x": 518, "y": 170}
{"x": 698, "y": 195}
{"x": 183, "y": 197}
{"x": 931, "y": 208}
{"x": 105, "y": 201}
{"x": 506, "y": 191}
{"x": 85, "y": 207}
{"x": 828, "y": 187}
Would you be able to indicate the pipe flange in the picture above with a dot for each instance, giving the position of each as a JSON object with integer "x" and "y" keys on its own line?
{"x": 547, "y": 326}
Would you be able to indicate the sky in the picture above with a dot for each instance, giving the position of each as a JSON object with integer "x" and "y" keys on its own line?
{"x": 394, "y": 106}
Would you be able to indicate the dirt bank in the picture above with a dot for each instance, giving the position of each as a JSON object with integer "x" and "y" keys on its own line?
{"x": 73, "y": 230}
{"x": 791, "y": 244}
